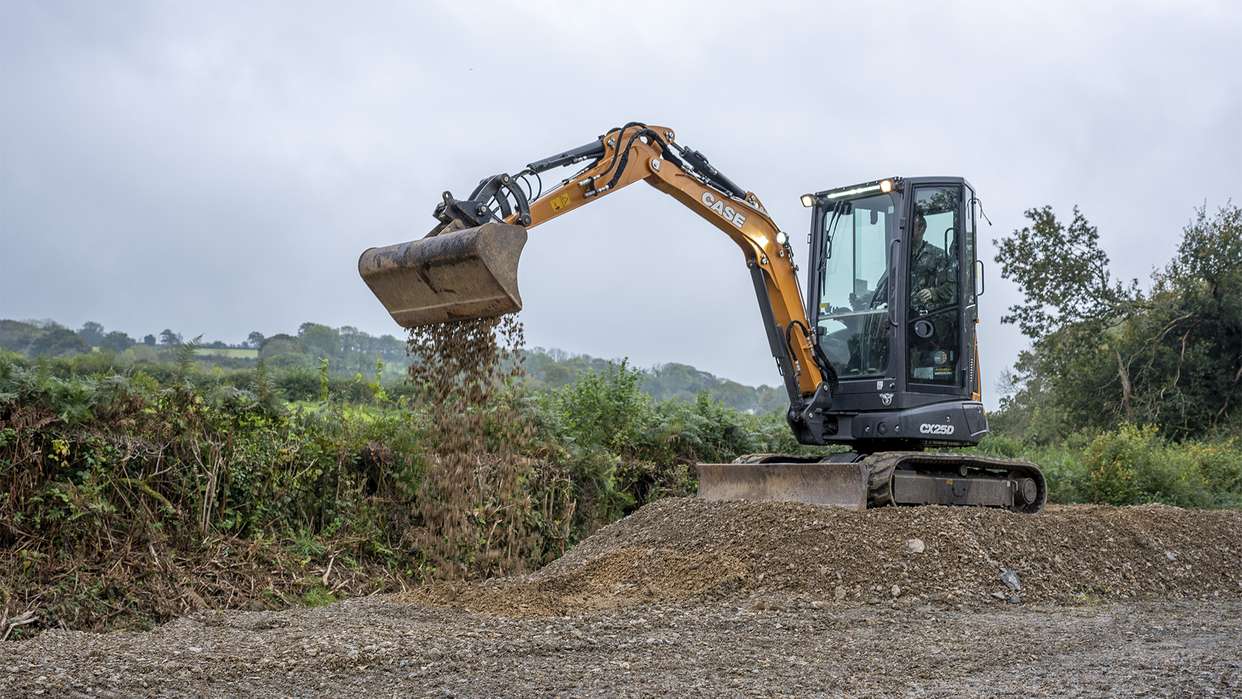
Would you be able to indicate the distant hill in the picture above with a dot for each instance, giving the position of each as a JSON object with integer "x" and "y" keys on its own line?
{"x": 350, "y": 351}
{"x": 553, "y": 368}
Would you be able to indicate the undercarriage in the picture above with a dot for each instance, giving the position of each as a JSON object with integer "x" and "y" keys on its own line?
{"x": 859, "y": 481}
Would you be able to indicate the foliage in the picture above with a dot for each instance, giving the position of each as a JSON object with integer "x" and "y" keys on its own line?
{"x": 92, "y": 333}
{"x": 1104, "y": 354}
{"x": 16, "y": 336}
{"x": 350, "y": 351}
{"x": 104, "y": 460}
{"x": 57, "y": 341}
{"x": 1127, "y": 397}
{"x": 1135, "y": 465}
{"x": 116, "y": 341}
{"x": 1132, "y": 465}
{"x": 1063, "y": 274}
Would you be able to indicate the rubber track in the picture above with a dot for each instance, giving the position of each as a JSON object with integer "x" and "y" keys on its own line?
{"x": 882, "y": 465}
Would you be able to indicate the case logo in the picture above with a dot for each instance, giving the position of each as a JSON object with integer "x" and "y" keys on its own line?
{"x": 728, "y": 213}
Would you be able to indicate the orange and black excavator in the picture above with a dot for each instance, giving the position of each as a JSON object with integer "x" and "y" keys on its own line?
{"x": 882, "y": 356}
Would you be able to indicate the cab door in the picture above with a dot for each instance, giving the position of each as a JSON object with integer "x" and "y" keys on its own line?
{"x": 936, "y": 305}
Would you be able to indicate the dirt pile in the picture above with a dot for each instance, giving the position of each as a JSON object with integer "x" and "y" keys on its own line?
{"x": 687, "y": 548}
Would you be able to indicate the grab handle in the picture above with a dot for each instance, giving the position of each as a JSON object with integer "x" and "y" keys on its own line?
{"x": 892, "y": 279}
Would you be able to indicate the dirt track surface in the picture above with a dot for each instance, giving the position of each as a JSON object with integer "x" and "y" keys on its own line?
{"x": 687, "y": 597}
{"x": 379, "y": 647}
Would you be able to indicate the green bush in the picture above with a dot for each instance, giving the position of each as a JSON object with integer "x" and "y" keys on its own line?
{"x": 1220, "y": 467}
{"x": 1135, "y": 465}
{"x": 605, "y": 409}
{"x": 631, "y": 449}
{"x": 1132, "y": 465}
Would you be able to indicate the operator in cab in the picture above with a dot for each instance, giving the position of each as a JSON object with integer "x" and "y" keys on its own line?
{"x": 931, "y": 274}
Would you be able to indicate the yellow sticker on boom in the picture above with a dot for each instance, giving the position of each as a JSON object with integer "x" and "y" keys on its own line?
{"x": 560, "y": 201}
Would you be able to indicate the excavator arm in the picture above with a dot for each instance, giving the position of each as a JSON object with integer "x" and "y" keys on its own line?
{"x": 650, "y": 154}
{"x": 430, "y": 275}
{"x": 466, "y": 267}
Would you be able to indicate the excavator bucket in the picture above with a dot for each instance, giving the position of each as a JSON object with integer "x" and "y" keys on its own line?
{"x": 840, "y": 485}
{"x": 470, "y": 273}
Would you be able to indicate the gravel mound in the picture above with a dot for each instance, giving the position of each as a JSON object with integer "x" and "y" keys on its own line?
{"x": 685, "y": 548}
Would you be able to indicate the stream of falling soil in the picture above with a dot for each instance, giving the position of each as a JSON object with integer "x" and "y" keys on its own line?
{"x": 473, "y": 502}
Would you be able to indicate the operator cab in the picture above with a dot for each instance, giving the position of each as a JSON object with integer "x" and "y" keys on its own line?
{"x": 893, "y": 300}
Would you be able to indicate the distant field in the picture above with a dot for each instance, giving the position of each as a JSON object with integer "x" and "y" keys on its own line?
{"x": 227, "y": 352}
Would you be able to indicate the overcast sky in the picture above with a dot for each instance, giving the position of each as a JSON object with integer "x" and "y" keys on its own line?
{"x": 217, "y": 167}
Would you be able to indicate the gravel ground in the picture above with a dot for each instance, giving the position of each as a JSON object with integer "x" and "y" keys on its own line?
{"x": 693, "y": 598}
{"x": 383, "y": 647}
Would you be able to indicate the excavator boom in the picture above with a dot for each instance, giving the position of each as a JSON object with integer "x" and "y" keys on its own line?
{"x": 466, "y": 267}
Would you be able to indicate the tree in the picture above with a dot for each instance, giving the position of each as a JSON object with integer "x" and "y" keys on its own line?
{"x": 255, "y": 339}
{"x": 280, "y": 344}
{"x": 352, "y": 340}
{"x": 1103, "y": 353}
{"x": 1062, "y": 272}
{"x": 390, "y": 347}
{"x": 320, "y": 340}
{"x": 169, "y": 338}
{"x": 1188, "y": 345}
{"x": 148, "y": 340}
{"x": 18, "y": 336}
{"x": 1073, "y": 310}
{"x": 57, "y": 341}
{"x": 92, "y": 333}
{"x": 116, "y": 341}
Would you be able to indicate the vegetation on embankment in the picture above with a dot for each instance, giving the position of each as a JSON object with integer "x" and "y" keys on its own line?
{"x": 127, "y": 499}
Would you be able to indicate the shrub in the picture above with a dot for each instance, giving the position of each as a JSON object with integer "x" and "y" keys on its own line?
{"x": 1134, "y": 465}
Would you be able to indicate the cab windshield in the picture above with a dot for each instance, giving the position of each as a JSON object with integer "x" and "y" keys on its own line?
{"x": 853, "y": 323}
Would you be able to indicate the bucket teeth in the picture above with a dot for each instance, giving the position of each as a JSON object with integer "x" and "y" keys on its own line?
{"x": 471, "y": 273}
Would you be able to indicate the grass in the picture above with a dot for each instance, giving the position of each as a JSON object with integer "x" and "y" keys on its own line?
{"x": 318, "y": 596}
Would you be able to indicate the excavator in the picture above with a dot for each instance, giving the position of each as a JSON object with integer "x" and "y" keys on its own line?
{"x": 881, "y": 357}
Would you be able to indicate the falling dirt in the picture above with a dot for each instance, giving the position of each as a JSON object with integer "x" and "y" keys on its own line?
{"x": 472, "y": 504}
